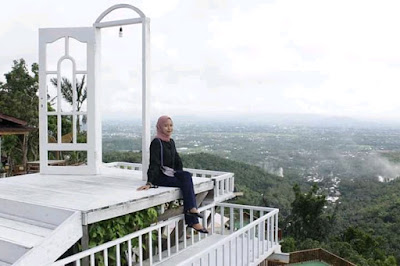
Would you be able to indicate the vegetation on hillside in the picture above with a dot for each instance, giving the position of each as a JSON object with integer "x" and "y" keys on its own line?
{"x": 361, "y": 228}
{"x": 18, "y": 98}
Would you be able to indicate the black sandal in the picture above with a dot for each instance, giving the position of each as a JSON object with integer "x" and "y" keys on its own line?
{"x": 195, "y": 214}
{"x": 202, "y": 230}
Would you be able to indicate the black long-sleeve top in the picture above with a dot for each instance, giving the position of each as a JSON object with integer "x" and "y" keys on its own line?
{"x": 171, "y": 159}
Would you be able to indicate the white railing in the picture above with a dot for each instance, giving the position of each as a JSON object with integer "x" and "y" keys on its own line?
{"x": 124, "y": 165}
{"x": 224, "y": 182}
{"x": 246, "y": 245}
{"x": 256, "y": 228}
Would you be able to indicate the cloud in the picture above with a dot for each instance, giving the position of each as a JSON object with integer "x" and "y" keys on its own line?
{"x": 329, "y": 57}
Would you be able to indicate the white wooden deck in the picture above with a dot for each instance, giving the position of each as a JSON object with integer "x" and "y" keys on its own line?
{"x": 98, "y": 197}
{"x": 41, "y": 216}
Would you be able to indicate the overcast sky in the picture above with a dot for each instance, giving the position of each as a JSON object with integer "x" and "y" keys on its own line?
{"x": 222, "y": 57}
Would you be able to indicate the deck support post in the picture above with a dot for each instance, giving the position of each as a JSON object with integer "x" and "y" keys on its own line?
{"x": 85, "y": 243}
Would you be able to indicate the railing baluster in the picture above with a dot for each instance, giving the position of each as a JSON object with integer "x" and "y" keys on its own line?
{"x": 230, "y": 252}
{"x": 204, "y": 221}
{"x": 92, "y": 262}
{"x": 184, "y": 236}
{"x": 216, "y": 256}
{"x": 216, "y": 194}
{"x": 263, "y": 232}
{"x": 222, "y": 221}
{"x": 168, "y": 240}
{"x": 248, "y": 247}
{"x": 253, "y": 242}
{"x": 150, "y": 249}
{"x": 236, "y": 250}
{"x": 78, "y": 262}
{"x": 268, "y": 232}
{"x": 276, "y": 229}
{"x": 258, "y": 240}
{"x": 105, "y": 255}
{"x": 231, "y": 220}
{"x": 129, "y": 252}
{"x": 140, "y": 251}
{"x": 241, "y": 217}
{"x": 159, "y": 244}
{"x": 273, "y": 228}
{"x": 242, "y": 248}
{"x": 192, "y": 235}
{"x": 118, "y": 254}
{"x": 212, "y": 220}
{"x": 271, "y": 232}
{"x": 177, "y": 236}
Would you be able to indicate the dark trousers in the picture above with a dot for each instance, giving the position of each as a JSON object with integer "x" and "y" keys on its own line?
{"x": 183, "y": 180}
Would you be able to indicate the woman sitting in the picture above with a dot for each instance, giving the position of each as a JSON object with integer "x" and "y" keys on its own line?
{"x": 165, "y": 169}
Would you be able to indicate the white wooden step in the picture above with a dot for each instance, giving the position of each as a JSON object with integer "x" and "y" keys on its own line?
{"x": 23, "y": 220}
{"x": 21, "y": 231}
{"x": 190, "y": 251}
{"x": 35, "y": 235}
{"x": 26, "y": 226}
{"x": 2, "y": 263}
{"x": 10, "y": 252}
{"x": 20, "y": 238}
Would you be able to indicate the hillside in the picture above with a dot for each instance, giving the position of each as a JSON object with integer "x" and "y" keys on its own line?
{"x": 259, "y": 187}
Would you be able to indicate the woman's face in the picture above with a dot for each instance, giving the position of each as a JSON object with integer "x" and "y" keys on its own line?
{"x": 168, "y": 128}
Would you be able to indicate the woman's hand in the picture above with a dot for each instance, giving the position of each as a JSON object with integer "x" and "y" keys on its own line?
{"x": 145, "y": 187}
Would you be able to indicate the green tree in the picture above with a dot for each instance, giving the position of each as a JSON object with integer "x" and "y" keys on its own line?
{"x": 67, "y": 93}
{"x": 307, "y": 219}
{"x": 18, "y": 98}
{"x": 81, "y": 96}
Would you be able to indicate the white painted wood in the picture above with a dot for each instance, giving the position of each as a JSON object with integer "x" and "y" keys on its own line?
{"x": 98, "y": 135}
{"x": 24, "y": 227}
{"x": 99, "y": 197}
{"x": 118, "y": 6}
{"x": 194, "y": 249}
{"x": 53, "y": 246}
{"x": 10, "y": 252}
{"x": 17, "y": 219}
{"x": 238, "y": 246}
{"x": 31, "y": 213}
{"x": 43, "y": 40}
{"x": 85, "y": 35}
{"x": 3, "y": 263}
{"x": 20, "y": 238}
{"x": 145, "y": 97}
{"x": 115, "y": 23}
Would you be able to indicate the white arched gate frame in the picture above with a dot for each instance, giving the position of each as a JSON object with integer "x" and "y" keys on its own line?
{"x": 66, "y": 129}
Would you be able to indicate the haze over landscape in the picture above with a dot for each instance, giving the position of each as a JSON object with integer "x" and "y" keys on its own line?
{"x": 337, "y": 58}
